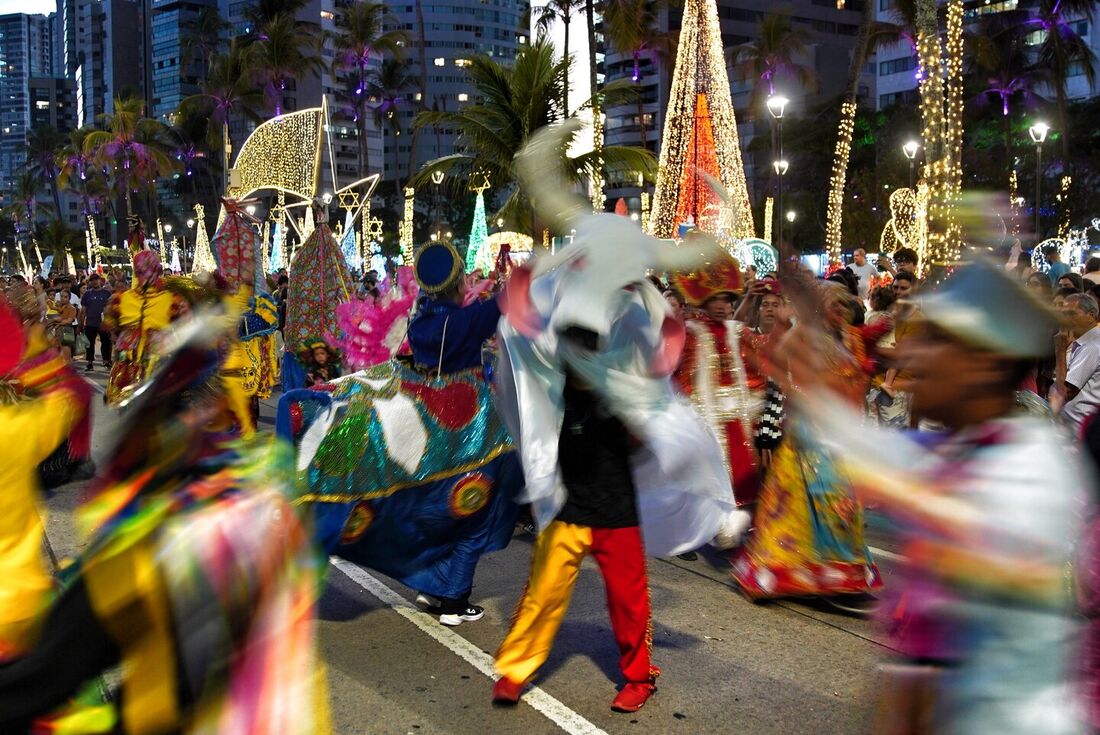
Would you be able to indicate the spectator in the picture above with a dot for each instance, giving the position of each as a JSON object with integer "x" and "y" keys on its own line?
{"x": 1057, "y": 267}
{"x": 1079, "y": 346}
{"x": 1060, "y": 297}
{"x": 882, "y": 301}
{"x": 94, "y": 301}
{"x": 1071, "y": 280}
{"x": 1039, "y": 284}
{"x": 65, "y": 309}
{"x": 1092, "y": 271}
{"x": 864, "y": 271}
{"x": 905, "y": 260}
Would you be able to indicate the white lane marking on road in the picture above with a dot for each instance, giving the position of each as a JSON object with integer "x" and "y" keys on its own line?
{"x": 886, "y": 554}
{"x": 565, "y": 718}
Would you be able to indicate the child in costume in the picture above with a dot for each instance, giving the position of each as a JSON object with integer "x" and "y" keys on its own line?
{"x": 322, "y": 363}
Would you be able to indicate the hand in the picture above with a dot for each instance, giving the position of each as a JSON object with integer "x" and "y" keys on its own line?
{"x": 1062, "y": 341}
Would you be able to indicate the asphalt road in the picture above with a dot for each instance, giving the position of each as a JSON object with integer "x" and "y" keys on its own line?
{"x": 729, "y": 666}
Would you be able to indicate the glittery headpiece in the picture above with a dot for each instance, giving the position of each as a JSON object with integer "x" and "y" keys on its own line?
{"x": 147, "y": 267}
{"x": 437, "y": 267}
{"x": 721, "y": 277}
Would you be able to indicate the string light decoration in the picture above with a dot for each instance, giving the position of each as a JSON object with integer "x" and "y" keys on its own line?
{"x": 283, "y": 154}
{"x": 479, "y": 229}
{"x": 407, "y": 227}
{"x": 203, "y": 262}
{"x": 697, "y": 201}
{"x": 1063, "y": 197}
{"x": 278, "y": 236}
{"x": 837, "y": 181}
{"x": 908, "y": 223}
{"x": 160, "y": 241}
{"x": 769, "y": 212}
{"x": 1068, "y": 247}
{"x": 1014, "y": 202}
{"x": 91, "y": 240}
{"x": 953, "y": 131}
{"x": 700, "y": 70}
{"x": 645, "y": 210}
{"x": 759, "y": 253}
{"x": 596, "y": 179}
{"x": 520, "y": 244}
{"x": 174, "y": 266}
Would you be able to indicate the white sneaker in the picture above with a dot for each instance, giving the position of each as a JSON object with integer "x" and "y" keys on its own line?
{"x": 469, "y": 615}
{"x": 426, "y": 601}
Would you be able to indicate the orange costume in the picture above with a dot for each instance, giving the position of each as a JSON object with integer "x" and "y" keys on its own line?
{"x": 720, "y": 373}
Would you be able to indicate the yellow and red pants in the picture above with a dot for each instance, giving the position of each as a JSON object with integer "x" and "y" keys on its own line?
{"x": 556, "y": 561}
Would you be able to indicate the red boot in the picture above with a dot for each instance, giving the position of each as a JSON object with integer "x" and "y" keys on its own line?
{"x": 633, "y": 697}
{"x": 506, "y": 691}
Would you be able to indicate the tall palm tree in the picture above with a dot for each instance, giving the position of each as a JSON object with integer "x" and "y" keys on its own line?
{"x": 513, "y": 103}
{"x": 774, "y": 54}
{"x": 282, "y": 53}
{"x": 42, "y": 145}
{"x": 78, "y": 172}
{"x": 631, "y": 28}
{"x": 364, "y": 36}
{"x": 1065, "y": 53}
{"x": 203, "y": 37}
{"x": 261, "y": 12}
{"x": 558, "y": 11}
{"x": 23, "y": 207}
{"x": 226, "y": 92}
{"x": 387, "y": 93}
{"x": 131, "y": 147}
{"x": 61, "y": 241}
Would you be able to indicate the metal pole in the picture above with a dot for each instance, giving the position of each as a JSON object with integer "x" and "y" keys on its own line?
{"x": 779, "y": 199}
{"x": 911, "y": 162}
{"x": 1038, "y": 181}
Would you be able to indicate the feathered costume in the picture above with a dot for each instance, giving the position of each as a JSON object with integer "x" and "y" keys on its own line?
{"x": 373, "y": 330}
{"x": 197, "y": 578}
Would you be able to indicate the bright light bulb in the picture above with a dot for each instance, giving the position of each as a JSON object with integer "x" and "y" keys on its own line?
{"x": 777, "y": 103}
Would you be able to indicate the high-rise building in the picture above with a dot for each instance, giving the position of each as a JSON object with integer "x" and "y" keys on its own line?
{"x": 454, "y": 30}
{"x": 26, "y": 52}
{"x": 106, "y": 58}
{"x": 832, "y": 40}
{"x": 175, "y": 73}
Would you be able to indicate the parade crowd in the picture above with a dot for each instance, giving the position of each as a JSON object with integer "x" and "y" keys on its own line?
{"x": 621, "y": 398}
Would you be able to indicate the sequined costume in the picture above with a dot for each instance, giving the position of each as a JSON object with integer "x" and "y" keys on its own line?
{"x": 138, "y": 319}
{"x": 197, "y": 582}
{"x": 809, "y": 528}
{"x": 412, "y": 473}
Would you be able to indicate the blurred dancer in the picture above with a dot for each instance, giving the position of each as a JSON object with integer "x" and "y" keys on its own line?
{"x": 41, "y": 403}
{"x": 989, "y": 514}
{"x": 809, "y": 528}
{"x": 197, "y": 582}
{"x": 138, "y": 319}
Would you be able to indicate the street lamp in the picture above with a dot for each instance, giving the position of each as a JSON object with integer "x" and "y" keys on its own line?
{"x": 780, "y": 166}
{"x": 183, "y": 265}
{"x": 777, "y": 104}
{"x": 791, "y": 215}
{"x": 910, "y": 150}
{"x": 1038, "y": 133}
{"x": 251, "y": 208}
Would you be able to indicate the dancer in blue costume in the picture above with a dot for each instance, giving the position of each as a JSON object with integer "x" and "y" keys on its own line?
{"x": 410, "y": 470}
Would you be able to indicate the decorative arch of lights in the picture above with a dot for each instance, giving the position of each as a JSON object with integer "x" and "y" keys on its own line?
{"x": 756, "y": 252}
{"x": 522, "y": 245}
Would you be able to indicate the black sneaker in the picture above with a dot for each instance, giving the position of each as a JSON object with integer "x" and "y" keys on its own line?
{"x": 469, "y": 615}
{"x": 90, "y": 368}
{"x": 689, "y": 556}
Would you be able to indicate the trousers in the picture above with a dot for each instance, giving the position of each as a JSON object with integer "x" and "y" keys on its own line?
{"x": 556, "y": 561}
{"x": 104, "y": 344}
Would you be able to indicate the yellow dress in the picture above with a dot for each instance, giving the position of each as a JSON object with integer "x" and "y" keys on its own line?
{"x": 138, "y": 319}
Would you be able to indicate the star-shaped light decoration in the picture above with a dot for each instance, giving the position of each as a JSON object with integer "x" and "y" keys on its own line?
{"x": 372, "y": 229}
{"x": 349, "y": 200}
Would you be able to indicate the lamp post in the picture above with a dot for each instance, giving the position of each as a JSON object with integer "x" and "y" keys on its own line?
{"x": 190, "y": 226}
{"x": 777, "y": 103}
{"x": 1038, "y": 133}
{"x": 910, "y": 150}
{"x": 780, "y": 167}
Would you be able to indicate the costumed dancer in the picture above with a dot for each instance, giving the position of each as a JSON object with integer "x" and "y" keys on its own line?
{"x": 809, "y": 529}
{"x": 374, "y": 330}
{"x": 197, "y": 582}
{"x": 411, "y": 471}
{"x": 616, "y": 464}
{"x": 720, "y": 370}
{"x": 987, "y": 513}
{"x": 322, "y": 362}
{"x": 319, "y": 283}
{"x": 42, "y": 402}
{"x": 251, "y": 367}
{"x": 138, "y": 320}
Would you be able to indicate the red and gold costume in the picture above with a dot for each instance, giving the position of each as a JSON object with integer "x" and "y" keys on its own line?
{"x": 720, "y": 373}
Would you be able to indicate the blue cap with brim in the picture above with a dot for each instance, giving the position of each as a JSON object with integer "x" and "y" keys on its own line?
{"x": 437, "y": 267}
{"x": 983, "y": 306}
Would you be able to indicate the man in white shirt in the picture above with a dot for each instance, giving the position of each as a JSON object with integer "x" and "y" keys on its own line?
{"x": 1081, "y": 386}
{"x": 863, "y": 270}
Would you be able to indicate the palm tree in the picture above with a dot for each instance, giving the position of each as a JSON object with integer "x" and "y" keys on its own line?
{"x": 283, "y": 52}
{"x": 362, "y": 38}
{"x": 513, "y": 103}
{"x": 774, "y": 53}
{"x": 203, "y": 37}
{"x": 42, "y": 145}
{"x": 131, "y": 147}
{"x": 1064, "y": 53}
{"x": 78, "y": 172}
{"x": 23, "y": 207}
{"x": 226, "y": 92}
{"x": 261, "y": 12}
{"x": 388, "y": 91}
{"x": 630, "y": 27}
{"x": 60, "y": 240}
{"x": 558, "y": 11}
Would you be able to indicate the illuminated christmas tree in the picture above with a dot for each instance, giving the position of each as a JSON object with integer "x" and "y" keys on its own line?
{"x": 700, "y": 133}
{"x": 479, "y": 232}
{"x": 203, "y": 262}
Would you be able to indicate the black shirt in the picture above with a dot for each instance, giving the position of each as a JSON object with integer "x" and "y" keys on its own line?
{"x": 594, "y": 456}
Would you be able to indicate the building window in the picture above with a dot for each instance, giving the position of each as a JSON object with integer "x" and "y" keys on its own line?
{"x": 897, "y": 66}
{"x": 440, "y": 61}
